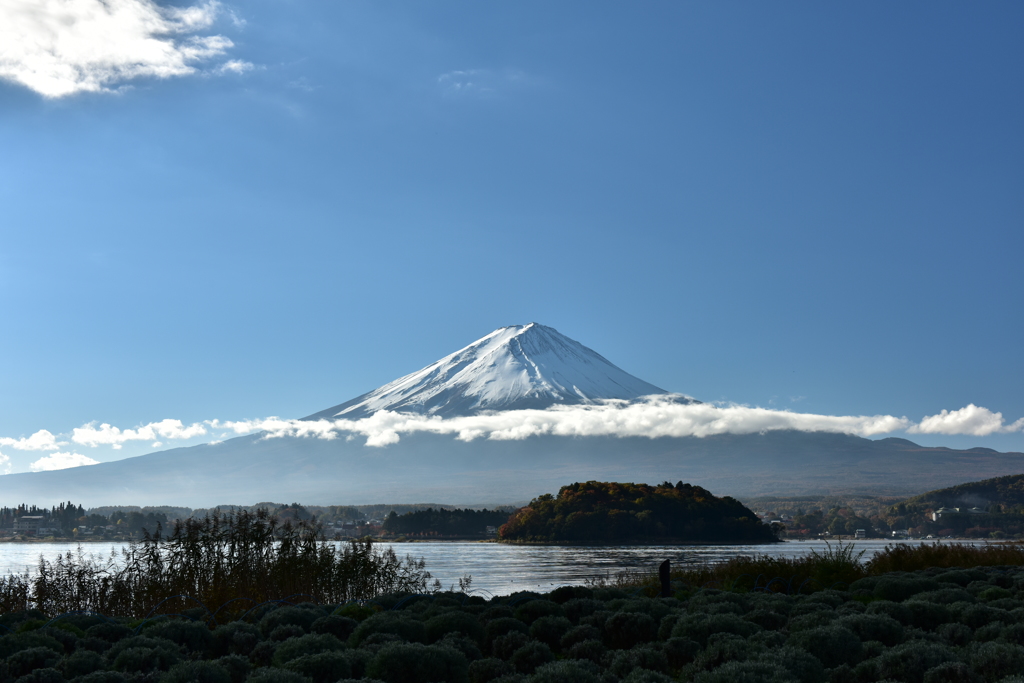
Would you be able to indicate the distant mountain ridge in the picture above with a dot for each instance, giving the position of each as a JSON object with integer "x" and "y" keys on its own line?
{"x": 1007, "y": 491}
{"x": 512, "y": 368}
{"x": 522, "y": 366}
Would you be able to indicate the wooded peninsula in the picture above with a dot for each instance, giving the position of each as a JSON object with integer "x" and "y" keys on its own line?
{"x": 609, "y": 512}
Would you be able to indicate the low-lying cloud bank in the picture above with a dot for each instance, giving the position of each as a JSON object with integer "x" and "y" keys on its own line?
{"x": 653, "y": 418}
{"x": 656, "y": 416}
{"x": 62, "y": 47}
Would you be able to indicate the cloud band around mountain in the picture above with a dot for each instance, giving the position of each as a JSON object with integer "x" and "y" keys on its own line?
{"x": 653, "y": 418}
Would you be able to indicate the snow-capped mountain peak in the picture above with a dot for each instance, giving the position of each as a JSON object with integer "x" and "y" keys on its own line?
{"x": 516, "y": 367}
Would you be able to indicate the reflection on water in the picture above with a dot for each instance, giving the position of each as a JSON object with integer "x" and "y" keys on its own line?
{"x": 501, "y": 569}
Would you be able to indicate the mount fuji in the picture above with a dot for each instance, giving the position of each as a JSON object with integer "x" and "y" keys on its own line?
{"x": 512, "y": 368}
{"x": 522, "y": 370}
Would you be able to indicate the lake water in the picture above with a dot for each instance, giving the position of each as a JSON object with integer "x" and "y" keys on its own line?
{"x": 499, "y": 569}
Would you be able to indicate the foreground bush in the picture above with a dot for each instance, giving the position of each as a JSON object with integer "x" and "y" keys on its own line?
{"x": 938, "y": 625}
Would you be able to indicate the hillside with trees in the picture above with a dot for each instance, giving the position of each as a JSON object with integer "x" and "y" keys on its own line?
{"x": 635, "y": 513}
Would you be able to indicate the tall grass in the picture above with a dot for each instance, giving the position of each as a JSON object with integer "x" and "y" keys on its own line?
{"x": 242, "y": 559}
{"x": 835, "y": 567}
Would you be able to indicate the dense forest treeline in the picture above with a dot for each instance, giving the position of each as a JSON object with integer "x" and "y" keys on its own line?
{"x": 609, "y": 511}
{"x": 441, "y": 522}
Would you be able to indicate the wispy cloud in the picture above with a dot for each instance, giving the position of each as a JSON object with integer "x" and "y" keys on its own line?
{"x": 5, "y": 464}
{"x": 61, "y": 461}
{"x": 62, "y": 47}
{"x": 42, "y": 440}
{"x": 480, "y": 82}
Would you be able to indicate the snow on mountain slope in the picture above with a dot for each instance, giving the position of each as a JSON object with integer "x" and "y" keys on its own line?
{"x": 522, "y": 366}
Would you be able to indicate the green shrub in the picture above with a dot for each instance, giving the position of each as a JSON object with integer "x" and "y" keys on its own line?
{"x": 485, "y": 670}
{"x": 192, "y": 635}
{"x": 805, "y": 622}
{"x": 646, "y": 657}
{"x": 564, "y": 594}
{"x": 291, "y": 616}
{"x": 266, "y": 675}
{"x": 140, "y": 642}
{"x": 722, "y": 648}
{"x": 928, "y": 615}
{"x": 82, "y": 662}
{"x": 898, "y": 611}
{"x": 996, "y": 660}
{"x": 946, "y": 596}
{"x": 453, "y": 622}
{"x": 144, "y": 660}
{"x": 16, "y": 642}
{"x": 699, "y": 627}
{"x": 237, "y": 667}
{"x": 500, "y": 626}
{"x": 954, "y": 634}
{"x": 416, "y": 663}
{"x": 802, "y": 665}
{"x": 101, "y": 677}
{"x": 396, "y": 623}
{"x": 578, "y": 608}
{"x": 995, "y": 593}
{"x": 504, "y": 646}
{"x": 874, "y": 627}
{"x": 464, "y": 644}
{"x": 47, "y": 675}
{"x": 24, "y": 661}
{"x": 235, "y": 638}
{"x": 531, "y": 610}
{"x": 322, "y": 667}
{"x": 530, "y": 656}
{"x": 910, "y": 661}
{"x": 578, "y": 635}
{"x": 624, "y": 630}
{"x": 108, "y": 631}
{"x": 550, "y": 630}
{"x": 832, "y": 645}
{"x": 263, "y": 653}
{"x": 978, "y": 615}
{"x": 94, "y": 644}
{"x": 592, "y": 650}
{"x": 766, "y": 619}
{"x": 680, "y": 651}
{"x": 311, "y": 644}
{"x": 646, "y": 676}
{"x": 567, "y": 671}
{"x": 899, "y": 588}
{"x": 337, "y": 626}
{"x": 285, "y": 631}
{"x": 196, "y": 672}
{"x": 952, "y": 672}
{"x": 751, "y": 671}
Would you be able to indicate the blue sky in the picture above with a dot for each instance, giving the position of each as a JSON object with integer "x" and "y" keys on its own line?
{"x": 270, "y": 207}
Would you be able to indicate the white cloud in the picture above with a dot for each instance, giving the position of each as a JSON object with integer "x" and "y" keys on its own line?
{"x": 42, "y": 440}
{"x": 62, "y": 47}
{"x": 107, "y": 435}
{"x": 655, "y": 417}
{"x": 5, "y": 464}
{"x": 61, "y": 461}
{"x": 235, "y": 66}
{"x": 971, "y": 420}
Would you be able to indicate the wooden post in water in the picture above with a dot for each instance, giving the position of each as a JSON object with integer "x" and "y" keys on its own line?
{"x": 663, "y": 574}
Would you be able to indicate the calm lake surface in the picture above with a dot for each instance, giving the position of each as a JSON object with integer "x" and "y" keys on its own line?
{"x": 499, "y": 569}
